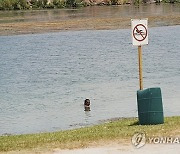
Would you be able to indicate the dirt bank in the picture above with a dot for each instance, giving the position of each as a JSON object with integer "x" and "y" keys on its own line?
{"x": 14, "y": 28}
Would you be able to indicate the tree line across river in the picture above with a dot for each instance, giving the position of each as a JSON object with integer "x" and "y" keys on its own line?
{"x": 52, "y": 4}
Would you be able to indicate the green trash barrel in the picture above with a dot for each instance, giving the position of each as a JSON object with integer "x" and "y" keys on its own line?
{"x": 150, "y": 108}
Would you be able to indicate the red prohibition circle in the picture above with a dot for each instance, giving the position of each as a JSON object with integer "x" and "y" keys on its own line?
{"x": 137, "y": 30}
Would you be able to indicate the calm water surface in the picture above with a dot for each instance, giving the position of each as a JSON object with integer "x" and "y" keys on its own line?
{"x": 45, "y": 78}
{"x": 122, "y": 11}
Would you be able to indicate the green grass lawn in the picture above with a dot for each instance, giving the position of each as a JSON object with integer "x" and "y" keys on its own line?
{"x": 121, "y": 130}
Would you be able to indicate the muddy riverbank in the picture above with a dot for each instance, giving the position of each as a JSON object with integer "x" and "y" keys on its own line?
{"x": 90, "y": 18}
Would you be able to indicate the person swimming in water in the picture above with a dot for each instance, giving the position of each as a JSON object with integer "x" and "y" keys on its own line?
{"x": 87, "y": 105}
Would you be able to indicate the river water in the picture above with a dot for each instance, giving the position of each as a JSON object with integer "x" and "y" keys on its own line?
{"x": 124, "y": 11}
{"x": 44, "y": 78}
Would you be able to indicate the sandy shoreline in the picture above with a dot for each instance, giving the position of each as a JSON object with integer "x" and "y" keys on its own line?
{"x": 32, "y": 27}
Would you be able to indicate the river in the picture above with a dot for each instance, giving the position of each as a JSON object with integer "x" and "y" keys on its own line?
{"x": 46, "y": 77}
{"x": 123, "y": 11}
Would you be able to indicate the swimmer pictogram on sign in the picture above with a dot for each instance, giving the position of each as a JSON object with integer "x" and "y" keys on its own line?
{"x": 139, "y": 32}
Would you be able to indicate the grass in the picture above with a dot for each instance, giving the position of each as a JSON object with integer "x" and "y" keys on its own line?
{"x": 119, "y": 130}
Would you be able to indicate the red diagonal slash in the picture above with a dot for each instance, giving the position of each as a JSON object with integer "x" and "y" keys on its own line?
{"x": 140, "y": 32}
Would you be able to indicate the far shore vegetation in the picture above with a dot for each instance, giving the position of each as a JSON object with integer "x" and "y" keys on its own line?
{"x": 116, "y": 131}
{"x": 54, "y": 4}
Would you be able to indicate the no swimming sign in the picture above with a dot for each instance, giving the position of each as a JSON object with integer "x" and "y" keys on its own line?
{"x": 139, "y": 31}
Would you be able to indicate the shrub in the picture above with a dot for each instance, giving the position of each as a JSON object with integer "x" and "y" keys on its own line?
{"x": 59, "y": 3}
{"x": 13, "y": 4}
{"x": 171, "y": 1}
{"x": 71, "y": 3}
{"x": 39, "y": 3}
{"x": 6, "y": 4}
{"x": 20, "y": 4}
{"x": 75, "y": 3}
{"x": 50, "y": 6}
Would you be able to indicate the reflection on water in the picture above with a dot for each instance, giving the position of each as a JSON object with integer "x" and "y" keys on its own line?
{"x": 87, "y": 117}
{"x": 89, "y": 12}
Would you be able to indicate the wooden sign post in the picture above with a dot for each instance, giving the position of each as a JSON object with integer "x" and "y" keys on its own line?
{"x": 140, "y": 67}
{"x": 139, "y": 38}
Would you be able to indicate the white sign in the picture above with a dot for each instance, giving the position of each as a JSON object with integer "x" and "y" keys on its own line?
{"x": 139, "y": 31}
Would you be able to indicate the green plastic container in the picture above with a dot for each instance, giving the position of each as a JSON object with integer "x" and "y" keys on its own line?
{"x": 150, "y": 108}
